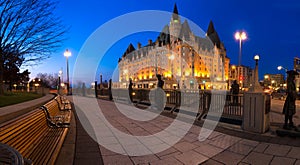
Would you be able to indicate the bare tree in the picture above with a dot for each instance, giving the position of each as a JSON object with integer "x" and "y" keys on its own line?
{"x": 48, "y": 80}
{"x": 29, "y": 32}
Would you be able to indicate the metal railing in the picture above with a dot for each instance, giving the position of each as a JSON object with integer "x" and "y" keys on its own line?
{"x": 230, "y": 106}
{"x": 9, "y": 155}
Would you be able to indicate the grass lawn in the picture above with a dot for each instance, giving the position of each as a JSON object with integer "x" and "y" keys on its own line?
{"x": 10, "y": 98}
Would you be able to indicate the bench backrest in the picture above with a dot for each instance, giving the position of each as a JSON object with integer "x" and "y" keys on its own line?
{"x": 32, "y": 135}
{"x": 24, "y": 132}
{"x": 53, "y": 107}
{"x": 58, "y": 99}
{"x": 63, "y": 103}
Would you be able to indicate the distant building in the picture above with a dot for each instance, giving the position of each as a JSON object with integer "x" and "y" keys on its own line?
{"x": 297, "y": 68}
{"x": 274, "y": 81}
{"x": 182, "y": 58}
{"x": 242, "y": 74}
{"x": 297, "y": 64}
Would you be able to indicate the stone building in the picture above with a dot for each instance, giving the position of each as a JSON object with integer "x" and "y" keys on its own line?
{"x": 274, "y": 81}
{"x": 243, "y": 75}
{"x": 185, "y": 61}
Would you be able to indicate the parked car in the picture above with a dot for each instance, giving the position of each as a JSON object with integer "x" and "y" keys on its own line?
{"x": 279, "y": 94}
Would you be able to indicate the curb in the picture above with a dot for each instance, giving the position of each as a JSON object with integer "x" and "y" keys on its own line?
{"x": 25, "y": 109}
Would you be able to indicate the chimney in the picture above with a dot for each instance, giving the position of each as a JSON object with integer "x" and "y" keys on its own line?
{"x": 139, "y": 45}
{"x": 149, "y": 42}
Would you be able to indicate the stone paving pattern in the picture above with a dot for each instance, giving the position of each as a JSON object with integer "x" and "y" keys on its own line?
{"x": 227, "y": 144}
{"x": 223, "y": 146}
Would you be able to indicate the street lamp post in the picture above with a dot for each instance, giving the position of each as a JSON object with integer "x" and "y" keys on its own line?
{"x": 67, "y": 54}
{"x": 240, "y": 36}
{"x": 256, "y": 116}
{"x": 281, "y": 67}
{"x": 59, "y": 81}
{"x": 285, "y": 69}
{"x": 255, "y": 84}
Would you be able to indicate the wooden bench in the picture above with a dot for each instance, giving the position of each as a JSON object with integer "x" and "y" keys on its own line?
{"x": 55, "y": 116}
{"x": 9, "y": 155}
{"x": 33, "y": 137}
{"x": 63, "y": 103}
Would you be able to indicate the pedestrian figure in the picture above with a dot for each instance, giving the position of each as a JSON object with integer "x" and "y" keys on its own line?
{"x": 235, "y": 88}
{"x": 83, "y": 89}
{"x": 96, "y": 89}
{"x": 109, "y": 89}
{"x": 159, "y": 93}
{"x": 130, "y": 90}
{"x": 289, "y": 107}
{"x": 160, "y": 82}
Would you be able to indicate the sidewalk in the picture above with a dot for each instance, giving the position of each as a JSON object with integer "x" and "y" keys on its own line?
{"x": 10, "y": 112}
{"x": 225, "y": 144}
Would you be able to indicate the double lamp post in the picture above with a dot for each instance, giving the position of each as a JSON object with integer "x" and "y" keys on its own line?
{"x": 67, "y": 54}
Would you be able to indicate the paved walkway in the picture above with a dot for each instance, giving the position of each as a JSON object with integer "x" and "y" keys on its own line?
{"x": 126, "y": 139}
{"x": 10, "y": 112}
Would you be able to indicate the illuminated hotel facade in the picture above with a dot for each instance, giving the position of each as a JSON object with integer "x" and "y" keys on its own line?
{"x": 184, "y": 60}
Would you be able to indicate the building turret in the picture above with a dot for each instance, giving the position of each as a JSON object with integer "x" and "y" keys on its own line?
{"x": 175, "y": 25}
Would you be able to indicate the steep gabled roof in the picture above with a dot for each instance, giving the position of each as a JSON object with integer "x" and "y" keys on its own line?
{"x": 129, "y": 49}
{"x": 175, "y": 13}
{"x": 213, "y": 35}
{"x": 185, "y": 31}
{"x": 165, "y": 35}
{"x": 204, "y": 43}
{"x": 166, "y": 29}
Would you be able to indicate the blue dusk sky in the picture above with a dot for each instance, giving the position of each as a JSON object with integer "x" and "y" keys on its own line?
{"x": 272, "y": 26}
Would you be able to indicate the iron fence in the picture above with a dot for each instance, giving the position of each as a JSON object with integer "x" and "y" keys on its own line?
{"x": 228, "y": 105}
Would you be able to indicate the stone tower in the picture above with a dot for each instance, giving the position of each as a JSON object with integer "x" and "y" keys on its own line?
{"x": 175, "y": 25}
